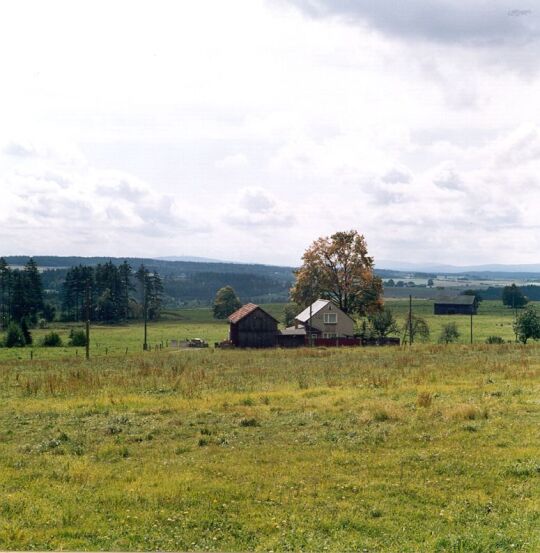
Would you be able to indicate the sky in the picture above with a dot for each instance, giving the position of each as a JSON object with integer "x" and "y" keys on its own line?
{"x": 244, "y": 130}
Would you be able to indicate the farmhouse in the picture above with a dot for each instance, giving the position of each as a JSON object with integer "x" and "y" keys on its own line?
{"x": 252, "y": 327}
{"x": 457, "y": 305}
{"x": 323, "y": 319}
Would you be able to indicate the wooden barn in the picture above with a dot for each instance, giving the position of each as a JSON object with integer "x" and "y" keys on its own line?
{"x": 252, "y": 327}
{"x": 457, "y": 305}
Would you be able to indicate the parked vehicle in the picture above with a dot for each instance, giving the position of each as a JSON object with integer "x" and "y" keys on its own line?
{"x": 197, "y": 343}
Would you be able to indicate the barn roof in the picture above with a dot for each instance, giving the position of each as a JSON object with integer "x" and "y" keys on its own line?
{"x": 246, "y": 310}
{"x": 456, "y": 300}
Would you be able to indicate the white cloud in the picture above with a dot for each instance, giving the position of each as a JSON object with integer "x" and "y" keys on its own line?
{"x": 416, "y": 126}
{"x": 233, "y": 161}
{"x": 55, "y": 203}
{"x": 255, "y": 207}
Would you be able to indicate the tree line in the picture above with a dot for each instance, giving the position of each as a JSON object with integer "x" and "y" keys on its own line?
{"x": 111, "y": 293}
{"x": 21, "y": 295}
{"x": 103, "y": 293}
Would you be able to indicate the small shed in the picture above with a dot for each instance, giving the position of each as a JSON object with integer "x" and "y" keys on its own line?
{"x": 457, "y": 305}
{"x": 292, "y": 337}
{"x": 252, "y": 327}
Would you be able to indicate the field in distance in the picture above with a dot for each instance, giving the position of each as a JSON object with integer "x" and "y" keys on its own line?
{"x": 375, "y": 449}
{"x": 492, "y": 319}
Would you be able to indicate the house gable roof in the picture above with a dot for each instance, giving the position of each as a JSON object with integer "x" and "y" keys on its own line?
{"x": 315, "y": 308}
{"x": 246, "y": 310}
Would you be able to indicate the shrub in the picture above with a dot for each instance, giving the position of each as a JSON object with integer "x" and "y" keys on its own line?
{"x": 424, "y": 399}
{"x": 77, "y": 338}
{"x": 527, "y": 325}
{"x": 249, "y": 422}
{"x": 14, "y": 336}
{"x": 449, "y": 334}
{"x": 494, "y": 340}
{"x": 52, "y": 340}
{"x": 26, "y": 332}
{"x": 420, "y": 329}
{"x": 382, "y": 323}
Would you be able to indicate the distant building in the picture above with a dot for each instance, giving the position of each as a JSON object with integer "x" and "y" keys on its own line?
{"x": 324, "y": 319}
{"x": 457, "y": 305}
{"x": 252, "y": 327}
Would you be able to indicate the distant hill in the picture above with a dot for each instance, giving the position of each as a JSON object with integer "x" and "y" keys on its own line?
{"x": 196, "y": 280}
{"x": 184, "y": 281}
{"x": 480, "y": 271}
{"x": 192, "y": 258}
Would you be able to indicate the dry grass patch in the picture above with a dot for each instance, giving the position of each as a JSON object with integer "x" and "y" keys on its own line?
{"x": 466, "y": 411}
{"x": 424, "y": 399}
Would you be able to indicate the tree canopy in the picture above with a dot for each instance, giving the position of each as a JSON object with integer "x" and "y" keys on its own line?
{"x": 21, "y": 294}
{"x": 512, "y": 296}
{"x": 339, "y": 268}
{"x": 382, "y": 323}
{"x": 225, "y": 302}
{"x": 527, "y": 325}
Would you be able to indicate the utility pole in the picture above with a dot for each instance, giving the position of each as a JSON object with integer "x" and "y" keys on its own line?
{"x": 145, "y": 314}
{"x": 471, "y": 326}
{"x": 515, "y": 315}
{"x": 410, "y": 321}
{"x": 87, "y": 347}
{"x": 309, "y": 325}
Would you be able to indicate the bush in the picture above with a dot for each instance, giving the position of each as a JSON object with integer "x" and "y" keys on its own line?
{"x": 419, "y": 329}
{"x": 52, "y": 340}
{"x": 382, "y": 323}
{"x": 14, "y": 336}
{"x": 527, "y": 325}
{"x": 249, "y": 422}
{"x": 449, "y": 334}
{"x": 494, "y": 340}
{"x": 424, "y": 399}
{"x": 77, "y": 338}
{"x": 26, "y": 332}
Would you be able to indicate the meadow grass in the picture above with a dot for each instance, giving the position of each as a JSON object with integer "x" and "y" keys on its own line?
{"x": 433, "y": 448}
{"x": 178, "y": 324}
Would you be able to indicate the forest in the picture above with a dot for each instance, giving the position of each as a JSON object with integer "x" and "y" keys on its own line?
{"x": 105, "y": 293}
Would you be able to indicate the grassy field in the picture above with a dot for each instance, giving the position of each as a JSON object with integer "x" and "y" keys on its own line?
{"x": 431, "y": 448}
{"x": 435, "y": 449}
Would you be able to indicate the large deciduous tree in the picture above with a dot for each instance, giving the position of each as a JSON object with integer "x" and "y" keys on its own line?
{"x": 225, "y": 302}
{"x": 512, "y": 296}
{"x": 339, "y": 268}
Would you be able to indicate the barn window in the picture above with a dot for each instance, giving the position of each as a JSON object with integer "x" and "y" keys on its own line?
{"x": 330, "y": 318}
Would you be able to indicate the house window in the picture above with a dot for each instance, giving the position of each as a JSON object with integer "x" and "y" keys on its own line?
{"x": 330, "y": 318}
{"x": 330, "y": 335}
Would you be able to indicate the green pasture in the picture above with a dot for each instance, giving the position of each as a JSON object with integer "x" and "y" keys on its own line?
{"x": 492, "y": 319}
{"x": 428, "y": 449}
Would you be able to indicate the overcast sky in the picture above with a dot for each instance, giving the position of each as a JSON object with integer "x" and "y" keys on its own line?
{"x": 245, "y": 129}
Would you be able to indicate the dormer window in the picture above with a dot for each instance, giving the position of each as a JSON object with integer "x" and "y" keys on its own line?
{"x": 330, "y": 318}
